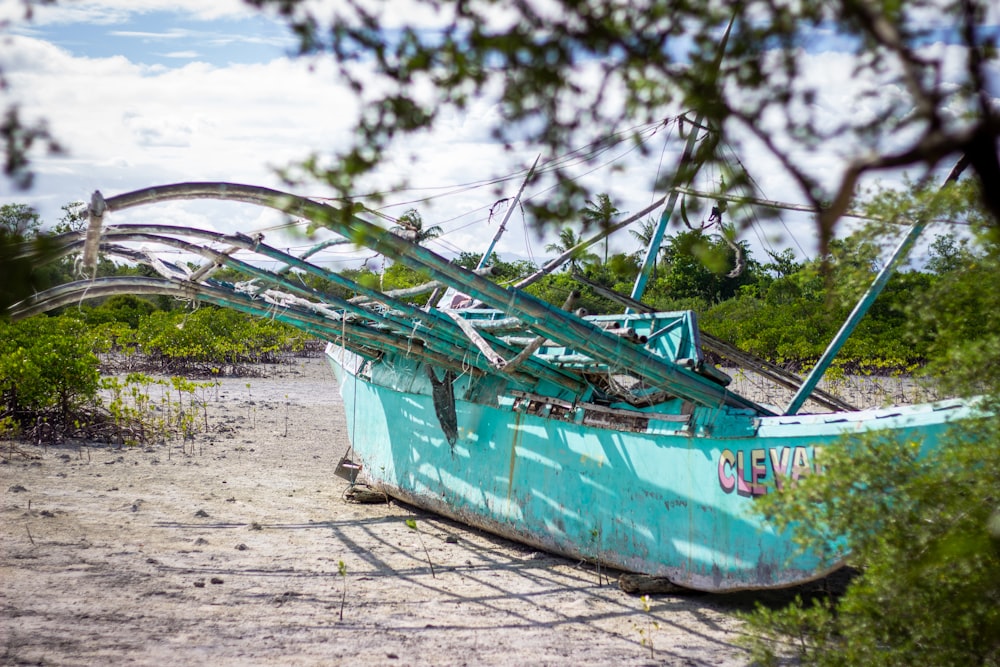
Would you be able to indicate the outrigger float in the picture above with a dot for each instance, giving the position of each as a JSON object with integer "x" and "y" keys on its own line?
{"x": 607, "y": 438}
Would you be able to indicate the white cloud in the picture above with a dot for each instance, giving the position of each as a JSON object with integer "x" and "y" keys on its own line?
{"x": 166, "y": 34}
{"x": 181, "y": 55}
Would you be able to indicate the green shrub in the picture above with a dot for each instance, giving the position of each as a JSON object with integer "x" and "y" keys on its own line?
{"x": 212, "y": 337}
{"x": 123, "y": 308}
{"x": 922, "y": 532}
{"x": 47, "y": 364}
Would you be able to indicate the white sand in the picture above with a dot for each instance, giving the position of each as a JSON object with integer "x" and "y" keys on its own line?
{"x": 227, "y": 553}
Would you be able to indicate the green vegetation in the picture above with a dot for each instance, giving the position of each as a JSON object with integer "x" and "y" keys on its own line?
{"x": 208, "y": 340}
{"x": 923, "y": 531}
{"x": 48, "y": 367}
{"x": 412, "y": 525}
{"x": 923, "y": 523}
{"x": 646, "y": 633}
{"x": 531, "y": 69}
{"x": 342, "y": 571}
{"x": 51, "y": 389}
{"x": 22, "y": 250}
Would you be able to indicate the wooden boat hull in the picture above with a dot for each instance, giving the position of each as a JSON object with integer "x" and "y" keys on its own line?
{"x": 665, "y": 498}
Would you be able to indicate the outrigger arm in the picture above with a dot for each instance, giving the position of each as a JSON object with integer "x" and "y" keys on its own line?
{"x": 847, "y": 328}
{"x": 546, "y": 320}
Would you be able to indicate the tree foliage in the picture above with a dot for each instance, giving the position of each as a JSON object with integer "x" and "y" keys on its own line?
{"x": 696, "y": 264}
{"x": 208, "y": 339}
{"x": 20, "y": 259}
{"x": 920, "y": 525}
{"x": 19, "y": 220}
{"x": 920, "y": 520}
{"x": 569, "y": 239}
{"x": 600, "y": 212}
{"x": 558, "y": 70}
{"x": 410, "y": 226}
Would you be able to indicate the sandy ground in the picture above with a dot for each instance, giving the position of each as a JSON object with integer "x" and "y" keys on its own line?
{"x": 227, "y": 551}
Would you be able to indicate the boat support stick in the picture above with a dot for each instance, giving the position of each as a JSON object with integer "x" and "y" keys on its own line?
{"x": 510, "y": 210}
{"x": 867, "y": 300}
{"x": 802, "y": 395}
{"x": 439, "y": 340}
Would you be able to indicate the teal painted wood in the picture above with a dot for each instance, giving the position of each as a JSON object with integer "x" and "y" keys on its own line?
{"x": 673, "y": 499}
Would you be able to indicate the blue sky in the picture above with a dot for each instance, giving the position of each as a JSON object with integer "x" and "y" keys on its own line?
{"x": 146, "y": 92}
{"x": 169, "y": 38}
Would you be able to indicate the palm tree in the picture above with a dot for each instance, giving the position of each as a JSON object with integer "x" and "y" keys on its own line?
{"x": 600, "y": 212}
{"x": 567, "y": 240}
{"x": 411, "y": 228}
{"x": 645, "y": 236}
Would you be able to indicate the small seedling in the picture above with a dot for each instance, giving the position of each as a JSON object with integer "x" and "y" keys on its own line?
{"x": 342, "y": 571}
{"x": 646, "y": 633}
{"x": 595, "y": 539}
{"x": 412, "y": 525}
{"x": 251, "y": 411}
{"x": 286, "y": 416}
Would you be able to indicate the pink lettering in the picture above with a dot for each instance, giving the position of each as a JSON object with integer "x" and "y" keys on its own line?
{"x": 727, "y": 480}
{"x": 779, "y": 464}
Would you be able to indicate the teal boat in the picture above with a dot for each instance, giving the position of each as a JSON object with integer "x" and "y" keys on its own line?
{"x": 607, "y": 438}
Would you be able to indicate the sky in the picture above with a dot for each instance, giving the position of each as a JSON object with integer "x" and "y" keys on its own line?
{"x": 150, "y": 92}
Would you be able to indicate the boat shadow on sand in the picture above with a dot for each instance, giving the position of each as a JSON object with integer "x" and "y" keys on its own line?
{"x": 489, "y": 579}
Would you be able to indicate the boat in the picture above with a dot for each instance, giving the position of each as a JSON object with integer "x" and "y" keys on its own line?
{"x": 608, "y": 438}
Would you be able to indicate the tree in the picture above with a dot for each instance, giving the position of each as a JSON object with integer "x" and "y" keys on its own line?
{"x": 411, "y": 227}
{"x": 644, "y": 235}
{"x": 698, "y": 265}
{"x": 949, "y": 253}
{"x": 46, "y": 363}
{"x": 22, "y": 250}
{"x": 74, "y": 218}
{"x": 18, "y": 138}
{"x": 658, "y": 56}
{"x": 502, "y": 271}
{"x": 567, "y": 241}
{"x": 19, "y": 220}
{"x": 924, "y": 530}
{"x": 555, "y": 76}
{"x": 600, "y": 212}
{"x": 782, "y": 264}
{"x": 922, "y": 520}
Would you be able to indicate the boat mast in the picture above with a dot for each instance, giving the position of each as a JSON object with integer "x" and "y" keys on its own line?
{"x": 510, "y": 210}
{"x": 654, "y": 243}
{"x": 450, "y": 293}
{"x": 653, "y": 249}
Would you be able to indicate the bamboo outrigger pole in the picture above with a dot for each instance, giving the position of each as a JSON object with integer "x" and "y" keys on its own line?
{"x": 543, "y": 318}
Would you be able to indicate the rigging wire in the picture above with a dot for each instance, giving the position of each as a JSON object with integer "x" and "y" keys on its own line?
{"x": 527, "y": 243}
{"x": 582, "y": 154}
{"x": 756, "y": 186}
{"x": 639, "y": 135}
{"x": 585, "y": 153}
{"x": 659, "y": 166}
